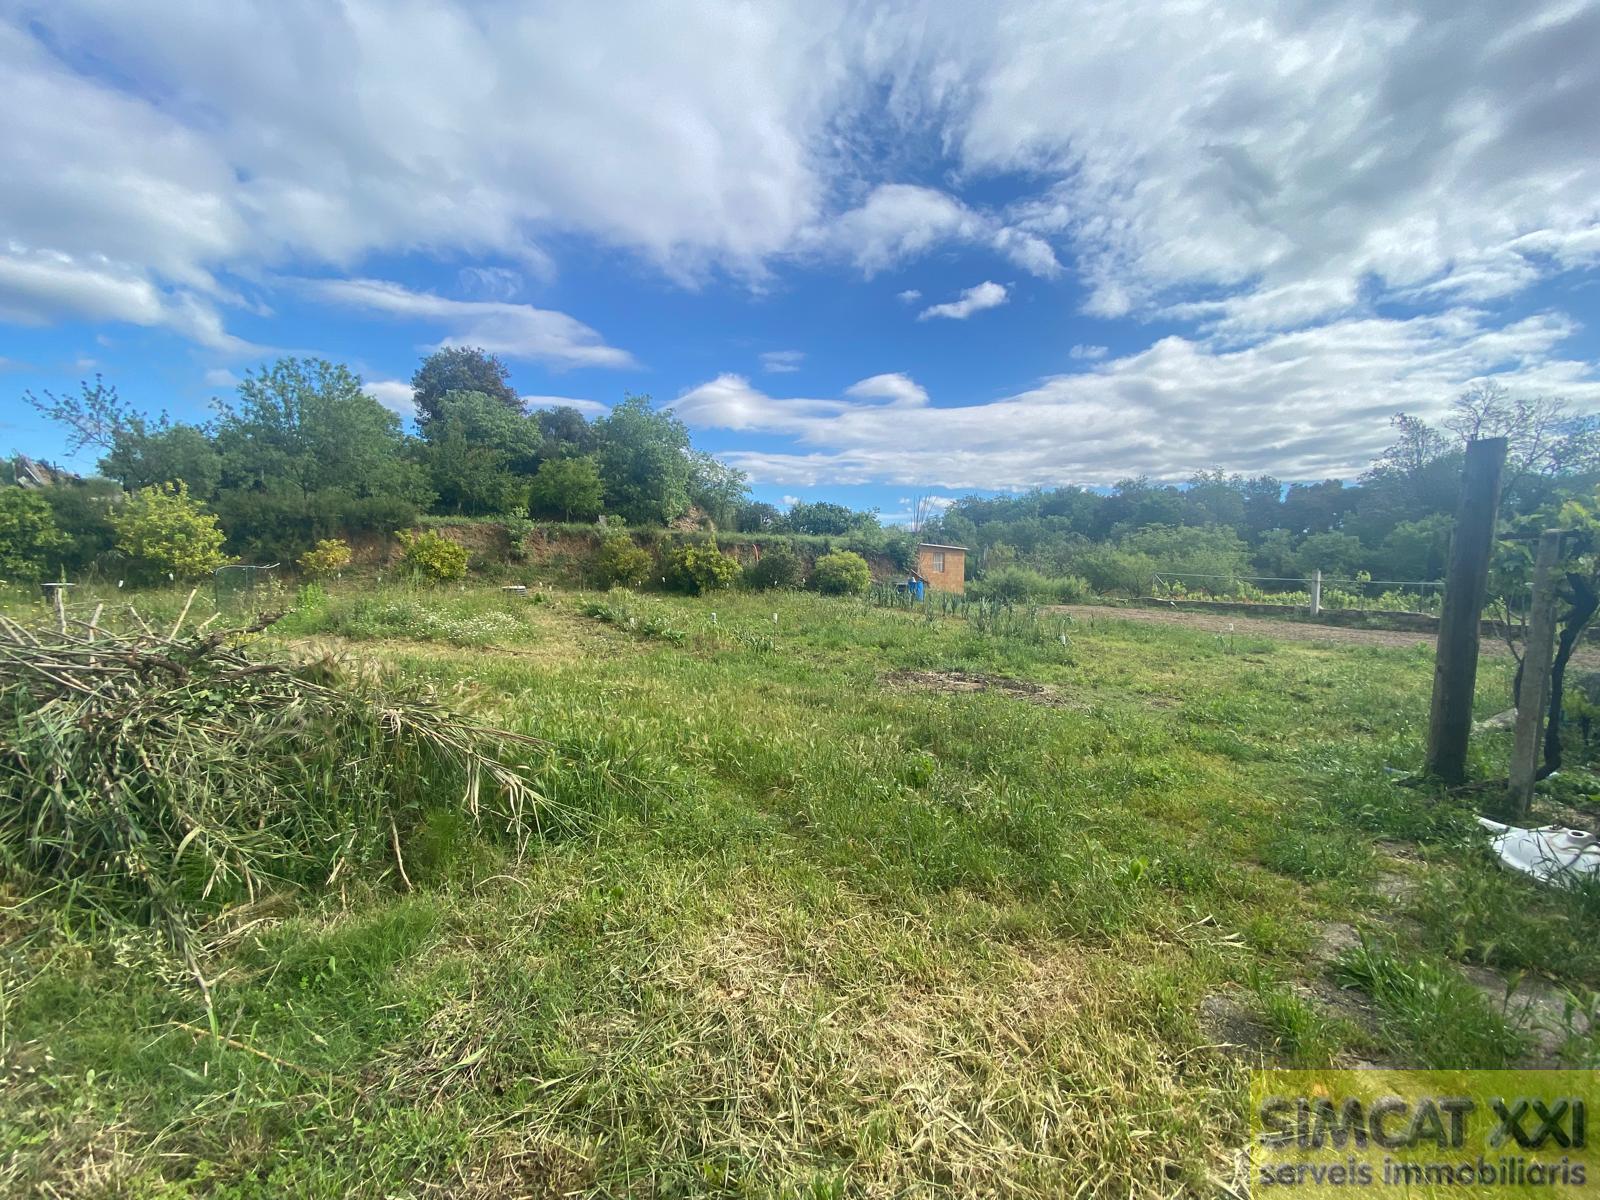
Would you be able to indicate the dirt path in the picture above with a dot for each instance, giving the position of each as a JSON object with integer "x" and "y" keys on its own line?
{"x": 1289, "y": 631}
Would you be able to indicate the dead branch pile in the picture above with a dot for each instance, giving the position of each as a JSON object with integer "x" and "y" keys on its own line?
{"x": 156, "y": 774}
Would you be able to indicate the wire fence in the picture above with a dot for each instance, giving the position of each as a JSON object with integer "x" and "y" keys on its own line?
{"x": 1314, "y": 594}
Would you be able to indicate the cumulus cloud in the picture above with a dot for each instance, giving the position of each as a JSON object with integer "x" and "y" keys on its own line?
{"x": 221, "y": 377}
{"x": 1089, "y": 353}
{"x": 1300, "y": 404}
{"x": 1251, "y": 170}
{"x": 909, "y": 296}
{"x": 782, "y": 361}
{"x": 514, "y": 330}
{"x": 973, "y": 299}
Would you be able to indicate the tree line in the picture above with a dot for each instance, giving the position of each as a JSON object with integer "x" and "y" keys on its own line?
{"x": 301, "y": 453}
{"x": 1393, "y": 523}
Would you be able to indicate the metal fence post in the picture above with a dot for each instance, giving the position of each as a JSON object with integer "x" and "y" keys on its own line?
{"x": 1316, "y": 593}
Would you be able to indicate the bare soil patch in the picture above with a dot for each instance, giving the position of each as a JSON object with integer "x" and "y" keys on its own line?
{"x": 966, "y": 682}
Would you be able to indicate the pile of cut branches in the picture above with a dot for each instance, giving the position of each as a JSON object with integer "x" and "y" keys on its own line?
{"x": 158, "y": 774}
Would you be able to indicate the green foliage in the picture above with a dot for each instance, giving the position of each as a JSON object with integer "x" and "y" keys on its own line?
{"x": 1114, "y": 572}
{"x": 30, "y": 543}
{"x": 163, "y": 531}
{"x": 571, "y": 487}
{"x": 717, "y": 489}
{"x": 82, "y": 512}
{"x": 141, "y": 456}
{"x": 621, "y": 561}
{"x": 636, "y": 615}
{"x": 327, "y": 557}
{"x": 644, "y": 460}
{"x": 1332, "y": 553}
{"x": 431, "y": 555}
{"x": 307, "y": 454}
{"x": 779, "y": 566}
{"x": 697, "y": 569}
{"x": 460, "y": 369}
{"x": 479, "y": 453}
{"x": 1021, "y": 584}
{"x": 842, "y": 573}
{"x": 825, "y": 517}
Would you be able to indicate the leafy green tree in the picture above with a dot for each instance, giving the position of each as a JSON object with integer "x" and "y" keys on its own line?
{"x": 480, "y": 454}
{"x": 30, "y": 543}
{"x": 566, "y": 434}
{"x": 622, "y": 562}
{"x": 756, "y": 516}
{"x": 82, "y": 512}
{"x": 842, "y": 573}
{"x": 307, "y": 454}
{"x": 1337, "y": 554}
{"x": 569, "y": 486}
{"x": 644, "y": 460}
{"x": 165, "y": 531}
{"x": 717, "y": 489}
{"x": 145, "y": 455}
{"x": 825, "y": 517}
{"x": 460, "y": 369}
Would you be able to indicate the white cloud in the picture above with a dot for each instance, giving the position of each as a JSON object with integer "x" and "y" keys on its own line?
{"x": 589, "y": 408}
{"x": 973, "y": 299}
{"x": 782, "y": 361}
{"x": 1300, "y": 404}
{"x": 789, "y": 501}
{"x": 895, "y": 387}
{"x": 221, "y": 377}
{"x": 514, "y": 330}
{"x": 1089, "y": 353}
{"x": 1287, "y": 164}
{"x": 394, "y": 394}
{"x": 490, "y": 283}
{"x": 899, "y": 221}
{"x": 909, "y": 296}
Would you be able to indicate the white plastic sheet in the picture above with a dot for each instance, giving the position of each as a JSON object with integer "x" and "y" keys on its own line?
{"x": 1551, "y": 854}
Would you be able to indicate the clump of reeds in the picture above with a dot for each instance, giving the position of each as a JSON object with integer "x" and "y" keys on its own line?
{"x": 158, "y": 774}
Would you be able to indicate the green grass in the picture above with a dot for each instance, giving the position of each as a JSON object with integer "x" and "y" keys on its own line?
{"x": 864, "y": 904}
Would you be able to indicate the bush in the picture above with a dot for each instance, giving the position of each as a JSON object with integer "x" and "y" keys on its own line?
{"x": 1070, "y": 589}
{"x": 327, "y": 557}
{"x": 621, "y": 562}
{"x": 29, "y": 539}
{"x": 699, "y": 569}
{"x": 1013, "y": 584}
{"x": 778, "y": 567}
{"x": 433, "y": 555}
{"x": 842, "y": 573}
{"x": 569, "y": 486}
{"x": 165, "y": 531}
{"x": 1115, "y": 572}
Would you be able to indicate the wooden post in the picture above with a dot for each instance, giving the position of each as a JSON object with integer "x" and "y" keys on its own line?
{"x": 1455, "y": 663}
{"x": 1316, "y": 593}
{"x": 1535, "y": 694}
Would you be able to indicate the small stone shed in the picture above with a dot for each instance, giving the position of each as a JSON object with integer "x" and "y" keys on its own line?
{"x": 943, "y": 567}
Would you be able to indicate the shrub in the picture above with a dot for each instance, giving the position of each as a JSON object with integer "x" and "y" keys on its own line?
{"x": 327, "y": 557}
{"x": 778, "y": 567}
{"x": 1116, "y": 572}
{"x": 622, "y": 562}
{"x": 699, "y": 569}
{"x": 432, "y": 555}
{"x": 165, "y": 531}
{"x": 1011, "y": 583}
{"x": 28, "y": 534}
{"x": 569, "y": 486}
{"x": 842, "y": 573}
{"x": 1070, "y": 589}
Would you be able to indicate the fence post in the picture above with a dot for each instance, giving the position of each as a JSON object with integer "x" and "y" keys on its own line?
{"x": 1455, "y": 663}
{"x": 1533, "y": 700}
{"x": 1316, "y": 593}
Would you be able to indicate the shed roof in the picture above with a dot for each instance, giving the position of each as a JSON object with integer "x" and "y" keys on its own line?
{"x": 939, "y": 546}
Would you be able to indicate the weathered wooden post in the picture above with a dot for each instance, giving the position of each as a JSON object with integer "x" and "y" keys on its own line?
{"x": 1534, "y": 696}
{"x": 1316, "y": 593}
{"x": 1455, "y": 664}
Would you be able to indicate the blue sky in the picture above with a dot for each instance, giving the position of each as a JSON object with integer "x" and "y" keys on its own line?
{"x": 868, "y": 252}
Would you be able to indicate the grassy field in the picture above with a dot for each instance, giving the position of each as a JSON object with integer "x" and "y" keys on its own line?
{"x": 838, "y": 901}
